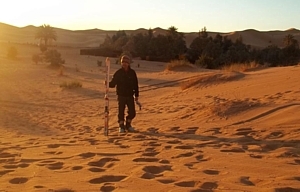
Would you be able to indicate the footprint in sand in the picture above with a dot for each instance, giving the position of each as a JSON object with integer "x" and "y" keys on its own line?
{"x": 63, "y": 190}
{"x": 39, "y": 187}
{"x": 108, "y": 162}
{"x": 21, "y": 165}
{"x": 191, "y": 130}
{"x": 287, "y": 189}
{"x": 53, "y": 145}
{"x": 188, "y": 154}
{"x": 139, "y": 137}
{"x": 54, "y": 152}
{"x": 152, "y": 130}
{"x": 148, "y": 176}
{"x": 201, "y": 158}
{"x": 10, "y": 166}
{"x": 211, "y": 172}
{"x": 18, "y": 180}
{"x": 167, "y": 147}
{"x": 177, "y": 129}
{"x": 244, "y": 131}
{"x": 76, "y": 168}
{"x": 166, "y": 181}
{"x": 155, "y": 171}
{"x": 256, "y": 156}
{"x": 270, "y": 146}
{"x": 190, "y": 165}
{"x": 150, "y": 149}
{"x": 214, "y": 130}
{"x": 5, "y": 172}
{"x": 7, "y": 155}
{"x": 151, "y": 143}
{"x": 209, "y": 186}
{"x": 174, "y": 142}
{"x": 275, "y": 135}
{"x": 142, "y": 159}
{"x": 246, "y": 181}
{"x": 107, "y": 188}
{"x": 119, "y": 141}
{"x": 92, "y": 141}
{"x": 233, "y": 150}
{"x": 108, "y": 179}
{"x": 186, "y": 184}
{"x": 87, "y": 155}
{"x": 96, "y": 169}
{"x": 184, "y": 147}
{"x": 150, "y": 154}
{"x": 164, "y": 161}
{"x": 55, "y": 166}
{"x": 52, "y": 165}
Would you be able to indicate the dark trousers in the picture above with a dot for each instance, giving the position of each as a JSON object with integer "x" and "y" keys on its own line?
{"x": 122, "y": 103}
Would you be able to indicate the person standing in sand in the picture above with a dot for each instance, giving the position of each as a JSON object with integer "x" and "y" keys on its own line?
{"x": 126, "y": 83}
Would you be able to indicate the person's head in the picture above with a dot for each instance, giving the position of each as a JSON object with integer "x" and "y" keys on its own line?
{"x": 125, "y": 61}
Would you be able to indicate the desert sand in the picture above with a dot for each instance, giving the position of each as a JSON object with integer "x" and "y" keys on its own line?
{"x": 229, "y": 131}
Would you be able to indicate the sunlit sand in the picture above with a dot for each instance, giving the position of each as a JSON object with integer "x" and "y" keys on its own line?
{"x": 233, "y": 132}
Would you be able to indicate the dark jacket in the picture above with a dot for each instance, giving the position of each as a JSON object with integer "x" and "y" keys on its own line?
{"x": 126, "y": 82}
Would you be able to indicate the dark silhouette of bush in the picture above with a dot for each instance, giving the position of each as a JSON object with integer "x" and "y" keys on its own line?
{"x": 54, "y": 58}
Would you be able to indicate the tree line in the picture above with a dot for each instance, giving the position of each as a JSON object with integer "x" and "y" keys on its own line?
{"x": 205, "y": 51}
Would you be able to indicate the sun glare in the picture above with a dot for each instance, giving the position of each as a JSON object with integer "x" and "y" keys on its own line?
{"x": 32, "y": 12}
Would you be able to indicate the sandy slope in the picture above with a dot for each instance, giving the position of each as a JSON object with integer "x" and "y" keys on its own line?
{"x": 221, "y": 134}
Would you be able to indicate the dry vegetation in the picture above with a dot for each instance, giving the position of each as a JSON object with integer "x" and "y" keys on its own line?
{"x": 179, "y": 65}
{"x": 242, "y": 67}
{"x": 71, "y": 85}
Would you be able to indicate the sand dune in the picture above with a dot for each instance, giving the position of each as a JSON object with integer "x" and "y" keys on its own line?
{"x": 226, "y": 132}
{"x": 94, "y": 37}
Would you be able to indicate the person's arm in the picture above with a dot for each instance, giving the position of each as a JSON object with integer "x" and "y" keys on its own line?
{"x": 113, "y": 81}
{"x": 136, "y": 87}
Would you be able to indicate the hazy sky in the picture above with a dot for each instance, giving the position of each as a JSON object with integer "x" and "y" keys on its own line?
{"x": 187, "y": 15}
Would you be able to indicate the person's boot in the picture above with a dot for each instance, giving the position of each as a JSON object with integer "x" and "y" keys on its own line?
{"x": 128, "y": 126}
{"x": 121, "y": 127}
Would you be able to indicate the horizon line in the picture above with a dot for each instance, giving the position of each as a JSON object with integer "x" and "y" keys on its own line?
{"x": 29, "y": 25}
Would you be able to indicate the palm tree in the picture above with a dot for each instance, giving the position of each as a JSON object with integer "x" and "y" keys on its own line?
{"x": 45, "y": 33}
{"x": 172, "y": 31}
{"x": 203, "y": 33}
{"x": 290, "y": 40}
